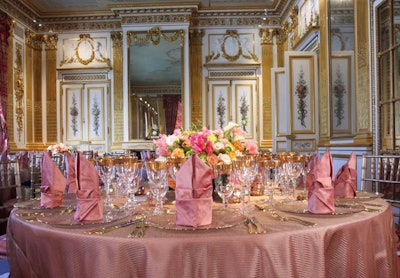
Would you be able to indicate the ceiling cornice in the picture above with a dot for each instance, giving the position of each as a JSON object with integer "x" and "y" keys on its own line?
{"x": 121, "y": 14}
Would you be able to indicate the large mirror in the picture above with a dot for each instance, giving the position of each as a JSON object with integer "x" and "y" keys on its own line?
{"x": 155, "y": 82}
{"x": 342, "y": 67}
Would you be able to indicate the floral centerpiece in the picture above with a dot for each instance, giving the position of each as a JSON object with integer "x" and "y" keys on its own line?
{"x": 212, "y": 146}
{"x": 59, "y": 148}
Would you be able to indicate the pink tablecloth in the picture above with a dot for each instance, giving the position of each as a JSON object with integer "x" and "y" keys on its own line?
{"x": 355, "y": 245}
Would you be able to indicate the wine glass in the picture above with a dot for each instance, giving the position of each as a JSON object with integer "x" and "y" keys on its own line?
{"x": 245, "y": 170}
{"x": 157, "y": 174}
{"x": 222, "y": 182}
{"x": 107, "y": 173}
{"x": 174, "y": 164}
{"x": 132, "y": 173}
{"x": 268, "y": 178}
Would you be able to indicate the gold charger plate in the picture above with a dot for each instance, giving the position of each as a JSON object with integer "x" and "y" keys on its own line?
{"x": 34, "y": 204}
{"x": 301, "y": 207}
{"x": 221, "y": 219}
{"x": 68, "y": 221}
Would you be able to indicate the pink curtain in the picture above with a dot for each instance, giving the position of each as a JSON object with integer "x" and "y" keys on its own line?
{"x": 178, "y": 122}
{"x": 4, "y": 33}
{"x": 170, "y": 111}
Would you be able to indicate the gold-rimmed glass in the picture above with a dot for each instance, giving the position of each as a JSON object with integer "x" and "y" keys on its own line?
{"x": 157, "y": 175}
{"x": 222, "y": 182}
{"x": 245, "y": 170}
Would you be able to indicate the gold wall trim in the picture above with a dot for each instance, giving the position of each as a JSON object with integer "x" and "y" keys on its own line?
{"x": 19, "y": 89}
{"x": 224, "y": 74}
{"x": 85, "y": 77}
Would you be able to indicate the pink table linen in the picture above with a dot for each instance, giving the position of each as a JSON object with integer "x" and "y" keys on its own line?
{"x": 356, "y": 245}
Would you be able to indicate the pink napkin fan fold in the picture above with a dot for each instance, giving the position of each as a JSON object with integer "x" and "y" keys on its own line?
{"x": 193, "y": 193}
{"x": 321, "y": 191}
{"x": 345, "y": 181}
{"x": 53, "y": 183}
{"x": 89, "y": 203}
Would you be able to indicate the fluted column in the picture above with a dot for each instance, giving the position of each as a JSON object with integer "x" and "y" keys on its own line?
{"x": 118, "y": 109}
{"x": 33, "y": 66}
{"x": 196, "y": 75}
{"x": 10, "y": 88}
{"x": 362, "y": 78}
{"x": 266, "y": 36}
{"x": 51, "y": 90}
{"x": 323, "y": 93}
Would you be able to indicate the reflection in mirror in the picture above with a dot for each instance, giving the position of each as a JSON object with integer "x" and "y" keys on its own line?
{"x": 342, "y": 67}
{"x": 155, "y": 82}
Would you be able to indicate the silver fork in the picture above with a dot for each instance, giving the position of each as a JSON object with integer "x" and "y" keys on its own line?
{"x": 279, "y": 217}
{"x": 138, "y": 231}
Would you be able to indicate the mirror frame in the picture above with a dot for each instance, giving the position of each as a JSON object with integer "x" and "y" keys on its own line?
{"x": 185, "y": 94}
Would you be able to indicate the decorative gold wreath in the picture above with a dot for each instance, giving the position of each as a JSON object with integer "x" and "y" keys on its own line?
{"x": 90, "y": 59}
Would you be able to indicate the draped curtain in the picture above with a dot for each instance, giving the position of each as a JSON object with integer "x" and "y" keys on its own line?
{"x": 4, "y": 34}
{"x": 170, "y": 112}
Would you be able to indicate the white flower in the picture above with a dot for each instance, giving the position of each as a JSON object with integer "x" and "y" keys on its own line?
{"x": 230, "y": 126}
{"x": 218, "y": 146}
{"x": 225, "y": 158}
{"x": 170, "y": 140}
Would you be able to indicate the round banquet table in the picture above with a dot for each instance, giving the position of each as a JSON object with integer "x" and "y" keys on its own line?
{"x": 361, "y": 244}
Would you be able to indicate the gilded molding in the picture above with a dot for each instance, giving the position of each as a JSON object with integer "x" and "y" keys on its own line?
{"x": 19, "y": 89}
{"x": 154, "y": 35}
{"x": 157, "y": 18}
{"x": 267, "y": 36}
{"x": 231, "y": 37}
{"x": 196, "y": 36}
{"x": 33, "y": 40}
{"x": 223, "y": 74}
{"x": 50, "y": 41}
{"x": 116, "y": 38}
{"x": 85, "y": 52}
{"x": 85, "y": 77}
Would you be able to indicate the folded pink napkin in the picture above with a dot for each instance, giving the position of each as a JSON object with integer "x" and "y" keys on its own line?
{"x": 193, "y": 193}
{"x": 70, "y": 169}
{"x": 310, "y": 175}
{"x": 89, "y": 206}
{"x": 321, "y": 191}
{"x": 345, "y": 181}
{"x": 53, "y": 183}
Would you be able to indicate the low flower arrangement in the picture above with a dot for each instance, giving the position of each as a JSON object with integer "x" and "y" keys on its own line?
{"x": 59, "y": 148}
{"x": 212, "y": 146}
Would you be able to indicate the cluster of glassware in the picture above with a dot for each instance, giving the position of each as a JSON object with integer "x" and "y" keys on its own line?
{"x": 123, "y": 175}
{"x": 273, "y": 173}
